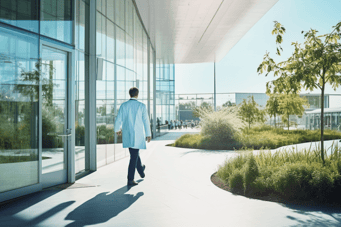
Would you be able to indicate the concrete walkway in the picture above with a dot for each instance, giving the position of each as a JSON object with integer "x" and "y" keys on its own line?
{"x": 177, "y": 191}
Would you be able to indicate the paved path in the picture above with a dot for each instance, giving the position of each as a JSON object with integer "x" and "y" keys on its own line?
{"x": 176, "y": 191}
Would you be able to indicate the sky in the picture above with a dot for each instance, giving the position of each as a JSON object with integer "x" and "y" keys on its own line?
{"x": 237, "y": 71}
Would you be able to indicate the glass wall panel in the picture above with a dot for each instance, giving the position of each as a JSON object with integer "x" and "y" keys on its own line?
{"x": 129, "y": 19}
{"x": 19, "y": 93}
{"x": 122, "y": 43}
{"x": 165, "y": 90}
{"x": 129, "y": 52}
{"x": 20, "y": 13}
{"x": 110, "y": 10}
{"x": 56, "y": 19}
{"x": 101, "y": 36}
{"x": 119, "y": 13}
{"x": 101, "y": 131}
{"x": 54, "y": 109}
{"x": 110, "y": 41}
{"x": 101, "y": 5}
{"x": 120, "y": 47}
{"x": 80, "y": 113}
{"x": 80, "y": 24}
{"x": 82, "y": 7}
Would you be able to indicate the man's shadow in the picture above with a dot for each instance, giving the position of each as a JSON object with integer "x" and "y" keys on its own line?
{"x": 102, "y": 207}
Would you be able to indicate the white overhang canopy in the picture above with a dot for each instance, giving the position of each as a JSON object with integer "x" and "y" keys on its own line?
{"x": 195, "y": 31}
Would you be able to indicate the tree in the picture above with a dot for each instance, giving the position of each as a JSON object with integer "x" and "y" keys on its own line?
{"x": 31, "y": 79}
{"x": 272, "y": 106}
{"x": 291, "y": 104}
{"x": 228, "y": 103}
{"x": 249, "y": 112}
{"x": 102, "y": 110}
{"x": 312, "y": 65}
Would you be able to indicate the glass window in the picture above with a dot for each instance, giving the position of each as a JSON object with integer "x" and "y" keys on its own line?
{"x": 19, "y": 109}
{"x": 101, "y": 5}
{"x": 130, "y": 52}
{"x": 101, "y": 36}
{"x": 110, "y": 41}
{"x": 20, "y": 13}
{"x": 80, "y": 113}
{"x": 111, "y": 10}
{"x": 101, "y": 132}
{"x": 120, "y": 47}
{"x": 56, "y": 19}
{"x": 80, "y": 24}
{"x": 54, "y": 104}
{"x": 119, "y": 13}
{"x": 129, "y": 18}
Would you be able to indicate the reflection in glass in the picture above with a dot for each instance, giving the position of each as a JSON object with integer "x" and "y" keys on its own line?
{"x": 56, "y": 19}
{"x": 81, "y": 8}
{"x": 119, "y": 13}
{"x": 19, "y": 96}
{"x": 54, "y": 115}
{"x": 20, "y": 13}
{"x": 122, "y": 43}
{"x": 100, "y": 36}
{"x": 80, "y": 114}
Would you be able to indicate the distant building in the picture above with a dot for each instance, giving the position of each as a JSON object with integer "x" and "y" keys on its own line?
{"x": 185, "y": 103}
{"x": 332, "y": 119}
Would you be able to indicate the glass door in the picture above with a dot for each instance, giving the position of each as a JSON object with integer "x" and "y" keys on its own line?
{"x": 55, "y": 132}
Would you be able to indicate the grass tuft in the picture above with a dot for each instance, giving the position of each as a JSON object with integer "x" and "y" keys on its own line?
{"x": 292, "y": 175}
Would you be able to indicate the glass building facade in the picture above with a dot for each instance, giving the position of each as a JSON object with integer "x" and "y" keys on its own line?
{"x": 165, "y": 99}
{"x": 185, "y": 103}
{"x": 66, "y": 67}
{"x": 332, "y": 119}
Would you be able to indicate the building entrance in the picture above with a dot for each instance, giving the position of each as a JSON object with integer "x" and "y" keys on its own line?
{"x": 56, "y": 132}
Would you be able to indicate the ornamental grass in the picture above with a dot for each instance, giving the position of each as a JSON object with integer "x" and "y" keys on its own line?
{"x": 289, "y": 174}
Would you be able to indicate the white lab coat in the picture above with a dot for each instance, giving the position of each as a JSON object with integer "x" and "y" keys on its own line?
{"x": 133, "y": 117}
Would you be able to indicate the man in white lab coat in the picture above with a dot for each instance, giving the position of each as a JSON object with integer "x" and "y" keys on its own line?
{"x": 133, "y": 117}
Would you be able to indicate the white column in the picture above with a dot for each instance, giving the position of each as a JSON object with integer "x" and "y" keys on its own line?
{"x": 90, "y": 92}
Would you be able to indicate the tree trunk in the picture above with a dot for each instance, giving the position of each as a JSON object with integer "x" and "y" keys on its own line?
{"x": 275, "y": 119}
{"x": 322, "y": 122}
{"x": 288, "y": 122}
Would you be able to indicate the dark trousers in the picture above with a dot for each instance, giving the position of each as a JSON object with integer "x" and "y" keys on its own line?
{"x": 135, "y": 162}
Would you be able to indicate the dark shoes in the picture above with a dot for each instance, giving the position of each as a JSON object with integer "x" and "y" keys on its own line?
{"x": 143, "y": 175}
{"x": 132, "y": 183}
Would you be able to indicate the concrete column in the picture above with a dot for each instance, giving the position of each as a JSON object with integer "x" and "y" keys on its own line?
{"x": 90, "y": 91}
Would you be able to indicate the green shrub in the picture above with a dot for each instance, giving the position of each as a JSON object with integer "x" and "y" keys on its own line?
{"x": 188, "y": 140}
{"x": 236, "y": 180}
{"x": 293, "y": 181}
{"x": 261, "y": 186}
{"x": 250, "y": 174}
{"x": 220, "y": 128}
{"x": 321, "y": 183}
{"x": 255, "y": 138}
{"x": 230, "y": 166}
{"x": 293, "y": 175}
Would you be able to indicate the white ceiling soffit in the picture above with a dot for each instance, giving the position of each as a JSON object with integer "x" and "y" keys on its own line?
{"x": 194, "y": 31}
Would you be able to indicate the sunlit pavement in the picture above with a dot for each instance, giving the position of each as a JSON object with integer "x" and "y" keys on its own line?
{"x": 177, "y": 191}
